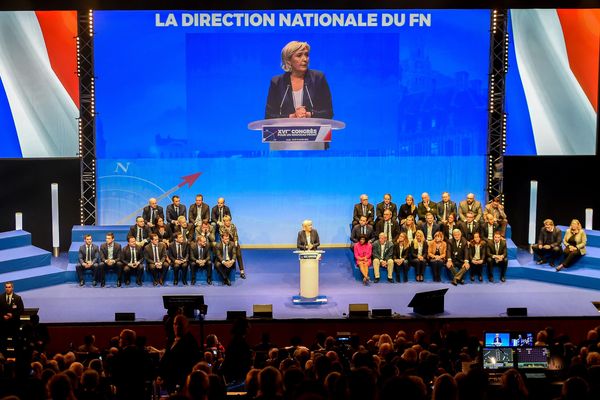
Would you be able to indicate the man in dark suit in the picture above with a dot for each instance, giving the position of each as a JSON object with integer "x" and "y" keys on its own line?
{"x": 364, "y": 208}
{"x": 362, "y": 229}
{"x": 185, "y": 229}
{"x": 140, "y": 232}
{"x": 497, "y": 256}
{"x": 548, "y": 244}
{"x": 386, "y": 204}
{"x": 457, "y": 257}
{"x": 132, "y": 257}
{"x": 383, "y": 256}
{"x": 389, "y": 226}
{"x": 179, "y": 256}
{"x": 308, "y": 238}
{"x": 11, "y": 308}
{"x": 199, "y": 211}
{"x": 131, "y": 368}
{"x": 218, "y": 212}
{"x": 110, "y": 258}
{"x": 470, "y": 226}
{"x": 88, "y": 260}
{"x": 155, "y": 255}
{"x": 174, "y": 211}
{"x": 445, "y": 207}
{"x": 200, "y": 259}
{"x": 151, "y": 213}
{"x": 430, "y": 227}
{"x": 425, "y": 206}
{"x": 225, "y": 258}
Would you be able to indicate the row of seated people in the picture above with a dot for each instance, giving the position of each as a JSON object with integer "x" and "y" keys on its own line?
{"x": 180, "y": 255}
{"x": 457, "y": 256}
{"x": 548, "y": 247}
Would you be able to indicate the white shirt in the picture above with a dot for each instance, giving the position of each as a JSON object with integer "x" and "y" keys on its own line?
{"x": 298, "y": 96}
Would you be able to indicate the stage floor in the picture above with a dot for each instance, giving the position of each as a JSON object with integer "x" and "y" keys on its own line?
{"x": 273, "y": 278}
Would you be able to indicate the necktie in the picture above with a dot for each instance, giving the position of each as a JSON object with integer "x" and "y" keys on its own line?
{"x": 110, "y": 252}
{"x": 445, "y": 210}
{"x": 387, "y": 230}
{"x": 177, "y": 210}
{"x": 155, "y": 254}
{"x": 364, "y": 210}
{"x": 139, "y": 234}
{"x": 226, "y": 253}
{"x": 178, "y": 250}
{"x": 221, "y": 215}
{"x": 470, "y": 227}
{"x": 497, "y": 248}
{"x": 151, "y": 215}
{"x": 133, "y": 255}
{"x": 200, "y": 252}
{"x": 364, "y": 230}
{"x": 87, "y": 253}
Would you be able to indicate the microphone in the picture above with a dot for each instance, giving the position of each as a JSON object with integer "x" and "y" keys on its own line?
{"x": 309, "y": 99}
{"x": 282, "y": 100}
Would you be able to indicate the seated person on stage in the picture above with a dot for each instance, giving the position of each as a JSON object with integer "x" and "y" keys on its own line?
{"x": 430, "y": 227}
{"x": 132, "y": 257}
{"x": 436, "y": 254}
{"x": 225, "y": 258}
{"x": 451, "y": 225}
{"x": 575, "y": 240}
{"x": 364, "y": 208}
{"x": 199, "y": 211}
{"x": 208, "y": 232}
{"x": 179, "y": 257}
{"x": 157, "y": 264}
{"x": 174, "y": 211}
{"x": 362, "y": 254}
{"x": 457, "y": 257}
{"x": 140, "y": 232}
{"x": 497, "y": 255}
{"x": 383, "y": 256}
{"x": 400, "y": 255}
{"x": 386, "y": 204}
{"x": 185, "y": 229}
{"x": 110, "y": 258}
{"x": 470, "y": 204}
{"x": 388, "y": 226}
{"x": 477, "y": 256}
{"x": 151, "y": 212}
{"x": 88, "y": 260}
{"x": 547, "y": 248}
{"x": 308, "y": 238}
{"x": 410, "y": 228}
{"x": 362, "y": 229}
{"x": 488, "y": 227}
{"x": 496, "y": 209}
{"x": 418, "y": 255}
{"x": 406, "y": 209}
{"x": 445, "y": 207}
{"x": 230, "y": 228}
{"x": 219, "y": 212}
{"x": 425, "y": 206}
{"x": 200, "y": 259}
{"x": 469, "y": 226}
{"x": 163, "y": 231}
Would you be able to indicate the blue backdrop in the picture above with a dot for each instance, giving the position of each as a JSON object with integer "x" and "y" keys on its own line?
{"x": 173, "y": 101}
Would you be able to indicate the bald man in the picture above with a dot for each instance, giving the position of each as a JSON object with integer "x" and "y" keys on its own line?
{"x": 151, "y": 213}
{"x": 218, "y": 212}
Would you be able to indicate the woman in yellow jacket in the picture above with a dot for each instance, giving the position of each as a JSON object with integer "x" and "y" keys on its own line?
{"x": 574, "y": 241}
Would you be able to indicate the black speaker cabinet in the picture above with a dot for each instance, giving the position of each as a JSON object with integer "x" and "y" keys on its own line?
{"x": 125, "y": 316}
{"x": 381, "y": 312}
{"x": 516, "y": 311}
{"x": 360, "y": 310}
{"x": 233, "y": 315}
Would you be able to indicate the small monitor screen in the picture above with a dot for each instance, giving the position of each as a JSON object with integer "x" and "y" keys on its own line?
{"x": 498, "y": 358}
{"x": 521, "y": 339}
{"x": 532, "y": 357}
{"x": 497, "y": 339}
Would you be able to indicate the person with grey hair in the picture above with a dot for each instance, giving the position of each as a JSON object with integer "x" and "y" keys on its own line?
{"x": 308, "y": 238}
{"x": 300, "y": 92}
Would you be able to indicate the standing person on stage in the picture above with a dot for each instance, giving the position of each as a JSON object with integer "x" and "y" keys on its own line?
{"x": 230, "y": 228}
{"x": 132, "y": 257}
{"x": 470, "y": 204}
{"x": 497, "y": 255}
{"x": 362, "y": 255}
{"x": 308, "y": 238}
{"x": 386, "y": 204}
{"x": 151, "y": 212}
{"x": 400, "y": 256}
{"x": 11, "y": 308}
{"x": 163, "y": 231}
{"x": 110, "y": 258}
{"x": 430, "y": 227}
{"x": 140, "y": 232}
{"x": 179, "y": 256}
{"x": 488, "y": 227}
{"x": 457, "y": 257}
{"x": 388, "y": 226}
{"x": 186, "y": 231}
{"x": 436, "y": 254}
{"x": 199, "y": 211}
{"x": 88, "y": 260}
{"x": 470, "y": 226}
{"x": 200, "y": 259}
{"x": 410, "y": 228}
{"x": 363, "y": 208}
{"x": 225, "y": 258}
{"x": 496, "y": 209}
{"x": 575, "y": 240}
{"x": 548, "y": 244}
{"x": 477, "y": 256}
{"x": 155, "y": 255}
{"x": 219, "y": 212}
{"x": 426, "y": 206}
{"x": 445, "y": 207}
{"x": 174, "y": 211}
{"x": 362, "y": 229}
{"x": 418, "y": 255}
{"x": 406, "y": 209}
{"x": 383, "y": 256}
{"x": 450, "y": 225}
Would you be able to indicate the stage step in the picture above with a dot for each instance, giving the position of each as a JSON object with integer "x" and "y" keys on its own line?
{"x": 99, "y": 232}
{"x": 35, "y": 278}
{"x": 12, "y": 239}
{"x": 593, "y": 237}
{"x": 576, "y": 276}
{"x": 24, "y": 257}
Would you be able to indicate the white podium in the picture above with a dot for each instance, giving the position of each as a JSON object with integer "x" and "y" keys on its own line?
{"x": 309, "y": 278}
{"x": 297, "y": 133}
